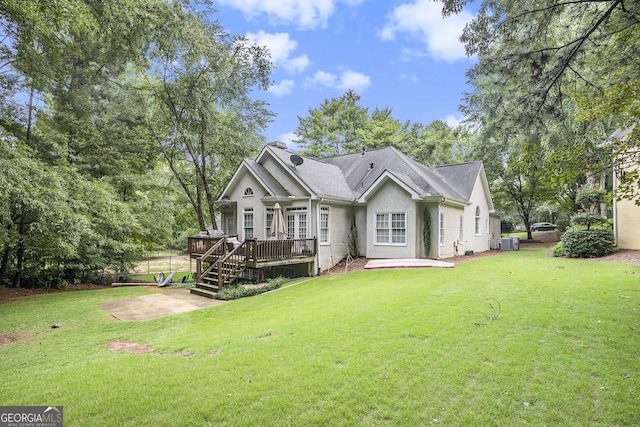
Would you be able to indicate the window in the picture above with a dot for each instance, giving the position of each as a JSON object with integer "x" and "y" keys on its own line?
{"x": 248, "y": 192}
{"x": 391, "y": 228}
{"x": 324, "y": 224}
{"x": 268, "y": 220}
{"x": 229, "y": 225}
{"x": 398, "y": 228}
{"x": 248, "y": 222}
{"x": 461, "y": 235}
{"x": 297, "y": 223}
{"x": 441, "y": 229}
{"x": 477, "y": 220}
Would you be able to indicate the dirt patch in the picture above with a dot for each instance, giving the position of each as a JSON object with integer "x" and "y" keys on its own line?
{"x": 132, "y": 347}
{"x": 136, "y": 348}
{"x": 10, "y": 338}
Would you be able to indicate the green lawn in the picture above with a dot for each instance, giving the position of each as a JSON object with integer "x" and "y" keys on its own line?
{"x": 385, "y": 347}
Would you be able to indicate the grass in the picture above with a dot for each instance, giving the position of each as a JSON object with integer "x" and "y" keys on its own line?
{"x": 385, "y": 347}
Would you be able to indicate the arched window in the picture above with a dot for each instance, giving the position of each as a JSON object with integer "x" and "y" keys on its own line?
{"x": 248, "y": 192}
{"x": 477, "y": 220}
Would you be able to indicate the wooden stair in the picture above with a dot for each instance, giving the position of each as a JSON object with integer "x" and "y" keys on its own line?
{"x": 209, "y": 284}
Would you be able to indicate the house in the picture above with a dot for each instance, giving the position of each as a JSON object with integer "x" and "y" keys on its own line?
{"x": 378, "y": 203}
{"x": 626, "y": 214}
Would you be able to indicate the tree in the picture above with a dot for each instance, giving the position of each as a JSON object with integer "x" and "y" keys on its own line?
{"x": 536, "y": 57}
{"x": 334, "y": 127}
{"x": 518, "y": 171}
{"x": 75, "y": 198}
{"x": 198, "y": 105}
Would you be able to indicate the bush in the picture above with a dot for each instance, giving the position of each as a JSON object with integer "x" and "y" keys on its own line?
{"x": 558, "y": 250}
{"x": 506, "y": 226}
{"x": 237, "y": 291}
{"x": 588, "y": 243}
{"x": 563, "y": 223}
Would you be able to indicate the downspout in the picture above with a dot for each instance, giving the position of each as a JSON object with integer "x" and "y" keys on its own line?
{"x": 318, "y": 267}
{"x": 615, "y": 210}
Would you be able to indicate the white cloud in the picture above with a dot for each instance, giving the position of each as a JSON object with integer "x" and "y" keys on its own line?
{"x": 347, "y": 80}
{"x": 281, "y": 46}
{"x": 453, "y": 121}
{"x": 281, "y": 89}
{"x": 304, "y": 13}
{"x": 288, "y": 139}
{"x": 297, "y": 64}
{"x": 354, "y": 80}
{"x": 321, "y": 78}
{"x": 423, "y": 18}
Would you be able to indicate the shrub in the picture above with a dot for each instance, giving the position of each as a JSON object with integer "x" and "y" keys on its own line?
{"x": 237, "y": 291}
{"x": 563, "y": 223}
{"x": 588, "y": 220}
{"x": 588, "y": 243}
{"x": 506, "y": 226}
{"x": 558, "y": 250}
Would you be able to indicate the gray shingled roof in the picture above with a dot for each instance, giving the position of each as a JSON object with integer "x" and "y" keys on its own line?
{"x": 423, "y": 180}
{"x": 322, "y": 178}
{"x": 349, "y": 176}
{"x": 273, "y": 186}
{"x": 461, "y": 176}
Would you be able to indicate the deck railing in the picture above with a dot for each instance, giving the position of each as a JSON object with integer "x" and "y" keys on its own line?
{"x": 201, "y": 244}
{"x": 219, "y": 251}
{"x": 273, "y": 250}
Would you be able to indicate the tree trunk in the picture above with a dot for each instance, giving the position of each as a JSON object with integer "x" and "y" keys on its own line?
{"x": 4, "y": 265}
{"x": 603, "y": 186}
{"x": 19, "y": 254}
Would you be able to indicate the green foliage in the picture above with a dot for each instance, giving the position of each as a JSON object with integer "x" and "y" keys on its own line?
{"x": 237, "y": 290}
{"x": 341, "y": 126}
{"x": 588, "y": 243}
{"x": 587, "y": 220}
{"x": 199, "y": 107}
{"x": 83, "y": 193}
{"x": 426, "y": 232}
{"x": 558, "y": 250}
{"x": 506, "y": 226}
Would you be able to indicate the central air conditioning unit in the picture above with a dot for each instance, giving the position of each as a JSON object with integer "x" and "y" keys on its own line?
{"x": 515, "y": 243}
{"x": 506, "y": 244}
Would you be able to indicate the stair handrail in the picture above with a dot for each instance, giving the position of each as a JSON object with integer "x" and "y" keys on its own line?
{"x": 207, "y": 254}
{"x": 222, "y": 278}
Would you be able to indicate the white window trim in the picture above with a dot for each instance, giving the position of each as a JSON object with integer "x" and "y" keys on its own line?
{"x": 296, "y": 212}
{"x": 390, "y": 229}
{"x": 325, "y": 210}
{"x": 477, "y": 224}
{"x": 245, "y": 212}
{"x": 267, "y": 223}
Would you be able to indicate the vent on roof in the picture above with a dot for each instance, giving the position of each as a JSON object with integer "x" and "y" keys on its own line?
{"x": 296, "y": 160}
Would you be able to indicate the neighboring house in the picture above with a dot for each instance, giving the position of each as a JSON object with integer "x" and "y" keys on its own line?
{"x": 626, "y": 214}
{"x": 379, "y": 201}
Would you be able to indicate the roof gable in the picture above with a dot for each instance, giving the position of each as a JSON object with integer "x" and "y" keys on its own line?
{"x": 354, "y": 177}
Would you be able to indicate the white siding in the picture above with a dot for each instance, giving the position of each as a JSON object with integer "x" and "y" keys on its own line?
{"x": 391, "y": 198}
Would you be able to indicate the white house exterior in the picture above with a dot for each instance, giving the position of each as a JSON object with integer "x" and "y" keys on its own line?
{"x": 378, "y": 201}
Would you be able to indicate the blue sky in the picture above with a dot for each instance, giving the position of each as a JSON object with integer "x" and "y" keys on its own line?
{"x": 398, "y": 54}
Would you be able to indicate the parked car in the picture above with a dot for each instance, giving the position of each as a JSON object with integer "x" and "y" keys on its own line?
{"x": 543, "y": 226}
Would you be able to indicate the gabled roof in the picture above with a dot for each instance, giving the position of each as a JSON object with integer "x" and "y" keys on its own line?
{"x": 353, "y": 177}
{"x": 362, "y": 170}
{"x": 322, "y": 179}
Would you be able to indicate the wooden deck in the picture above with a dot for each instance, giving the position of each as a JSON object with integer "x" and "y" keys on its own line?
{"x": 220, "y": 260}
